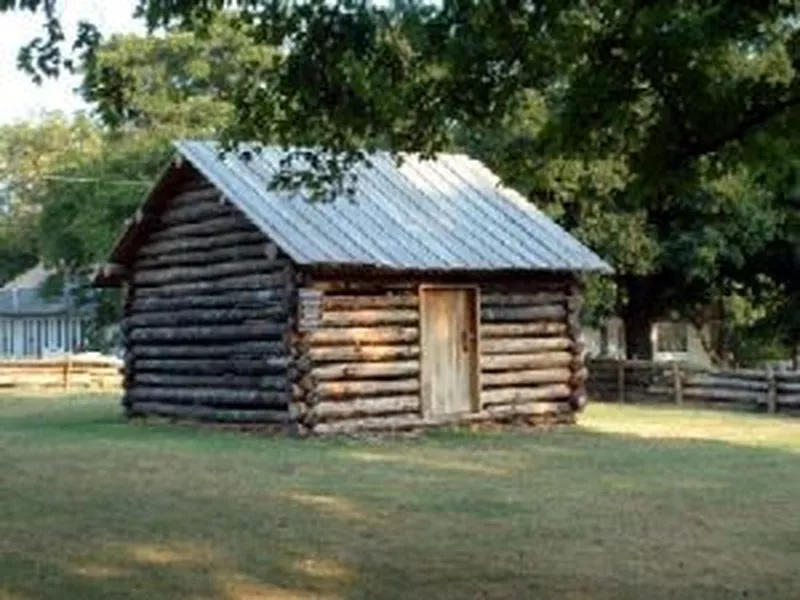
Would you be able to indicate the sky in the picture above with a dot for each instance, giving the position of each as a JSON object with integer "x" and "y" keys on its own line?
{"x": 22, "y": 99}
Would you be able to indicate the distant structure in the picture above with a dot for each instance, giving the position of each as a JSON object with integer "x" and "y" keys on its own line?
{"x": 672, "y": 340}
{"x": 32, "y": 326}
{"x": 434, "y": 295}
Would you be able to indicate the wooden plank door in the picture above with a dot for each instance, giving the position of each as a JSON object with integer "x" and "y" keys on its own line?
{"x": 449, "y": 350}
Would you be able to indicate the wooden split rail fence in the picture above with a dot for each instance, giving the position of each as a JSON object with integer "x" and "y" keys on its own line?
{"x": 68, "y": 373}
{"x": 633, "y": 381}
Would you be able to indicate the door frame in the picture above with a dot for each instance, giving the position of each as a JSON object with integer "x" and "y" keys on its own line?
{"x": 475, "y": 375}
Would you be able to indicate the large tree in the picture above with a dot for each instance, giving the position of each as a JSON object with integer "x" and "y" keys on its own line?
{"x": 146, "y": 91}
{"x": 774, "y": 273}
{"x": 659, "y": 81}
{"x": 650, "y": 110}
{"x": 30, "y": 156}
{"x": 678, "y": 253}
{"x": 179, "y": 83}
{"x": 76, "y": 182}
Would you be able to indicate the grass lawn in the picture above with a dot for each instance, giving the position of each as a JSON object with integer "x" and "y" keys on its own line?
{"x": 635, "y": 503}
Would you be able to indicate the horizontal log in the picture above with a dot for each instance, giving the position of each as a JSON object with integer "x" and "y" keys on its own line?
{"x": 230, "y": 299}
{"x": 741, "y": 374}
{"x": 224, "y": 381}
{"x": 793, "y": 388}
{"x": 224, "y": 254}
{"x": 212, "y": 397}
{"x": 214, "y": 366}
{"x": 189, "y": 196}
{"x": 525, "y": 378}
{"x": 493, "y": 330}
{"x": 717, "y": 394}
{"x": 350, "y": 302}
{"x": 501, "y": 411}
{"x": 376, "y": 286}
{"x": 211, "y": 333}
{"x": 181, "y": 274}
{"x": 547, "y": 312}
{"x": 280, "y": 279}
{"x": 788, "y": 376}
{"x": 656, "y": 390}
{"x": 726, "y": 383}
{"x": 524, "y": 345}
{"x": 507, "y": 362}
{"x": 522, "y": 395}
{"x": 366, "y": 370}
{"x": 200, "y": 210}
{"x": 365, "y": 335}
{"x": 205, "y": 350}
{"x": 355, "y": 426}
{"x": 208, "y": 414}
{"x": 388, "y": 405}
{"x": 525, "y": 285}
{"x": 210, "y": 227}
{"x": 494, "y": 300}
{"x": 365, "y": 318}
{"x": 200, "y": 244}
{"x": 558, "y": 411}
{"x": 207, "y": 316}
{"x": 789, "y": 400}
{"x": 325, "y": 354}
{"x": 345, "y": 389}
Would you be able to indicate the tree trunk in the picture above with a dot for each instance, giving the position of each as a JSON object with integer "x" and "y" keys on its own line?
{"x": 638, "y": 317}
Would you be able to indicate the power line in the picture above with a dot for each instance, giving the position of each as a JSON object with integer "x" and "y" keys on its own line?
{"x": 68, "y": 179}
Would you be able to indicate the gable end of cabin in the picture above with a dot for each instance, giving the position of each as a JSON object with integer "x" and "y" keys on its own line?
{"x": 208, "y": 301}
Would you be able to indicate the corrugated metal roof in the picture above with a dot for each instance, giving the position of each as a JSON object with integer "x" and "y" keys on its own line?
{"x": 450, "y": 213}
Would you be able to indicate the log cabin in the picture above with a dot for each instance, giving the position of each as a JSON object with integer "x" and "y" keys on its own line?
{"x": 430, "y": 295}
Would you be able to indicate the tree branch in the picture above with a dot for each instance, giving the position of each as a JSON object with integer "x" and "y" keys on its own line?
{"x": 754, "y": 120}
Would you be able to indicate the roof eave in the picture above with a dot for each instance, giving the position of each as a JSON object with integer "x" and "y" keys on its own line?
{"x": 120, "y": 252}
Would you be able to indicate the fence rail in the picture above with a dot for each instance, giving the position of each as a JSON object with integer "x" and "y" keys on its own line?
{"x": 62, "y": 373}
{"x": 613, "y": 380}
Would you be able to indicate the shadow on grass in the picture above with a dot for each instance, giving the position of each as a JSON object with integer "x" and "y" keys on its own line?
{"x": 93, "y": 508}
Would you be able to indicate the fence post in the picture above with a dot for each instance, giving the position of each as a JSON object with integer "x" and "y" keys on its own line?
{"x": 772, "y": 391}
{"x": 67, "y": 369}
{"x": 677, "y": 382}
{"x": 621, "y": 381}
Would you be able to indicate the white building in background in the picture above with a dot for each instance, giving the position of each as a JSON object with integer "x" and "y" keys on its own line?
{"x": 672, "y": 340}
{"x": 32, "y": 326}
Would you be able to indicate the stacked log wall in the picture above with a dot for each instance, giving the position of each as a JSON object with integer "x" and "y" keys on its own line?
{"x": 206, "y": 321}
{"x": 530, "y": 357}
{"x": 360, "y": 365}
